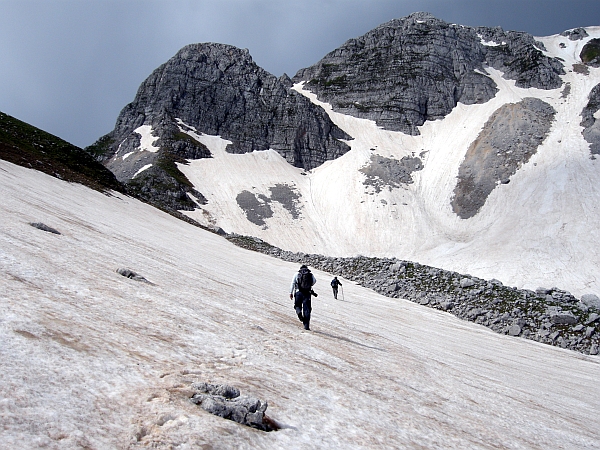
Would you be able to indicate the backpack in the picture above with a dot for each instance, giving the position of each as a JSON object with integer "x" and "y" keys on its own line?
{"x": 334, "y": 283}
{"x": 304, "y": 280}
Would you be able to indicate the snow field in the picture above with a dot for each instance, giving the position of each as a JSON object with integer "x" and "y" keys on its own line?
{"x": 90, "y": 358}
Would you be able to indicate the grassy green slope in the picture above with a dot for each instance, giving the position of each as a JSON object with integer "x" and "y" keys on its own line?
{"x": 28, "y": 146}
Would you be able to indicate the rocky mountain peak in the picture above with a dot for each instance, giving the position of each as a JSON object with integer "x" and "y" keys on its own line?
{"x": 215, "y": 89}
{"x": 417, "y": 68}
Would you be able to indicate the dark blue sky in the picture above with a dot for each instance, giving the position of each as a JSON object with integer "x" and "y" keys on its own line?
{"x": 70, "y": 66}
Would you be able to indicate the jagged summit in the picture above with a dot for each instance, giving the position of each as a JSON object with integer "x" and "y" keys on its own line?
{"x": 418, "y": 68}
{"x": 215, "y": 89}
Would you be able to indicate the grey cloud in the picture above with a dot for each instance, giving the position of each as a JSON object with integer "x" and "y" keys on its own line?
{"x": 69, "y": 66}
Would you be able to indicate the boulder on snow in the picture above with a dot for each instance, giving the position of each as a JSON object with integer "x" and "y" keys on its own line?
{"x": 44, "y": 227}
{"x": 132, "y": 275}
{"x": 225, "y": 401}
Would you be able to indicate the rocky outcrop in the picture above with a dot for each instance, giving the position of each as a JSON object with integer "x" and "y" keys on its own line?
{"x": 548, "y": 315}
{"x": 508, "y": 140}
{"x": 576, "y": 34}
{"x": 214, "y": 89}
{"x": 418, "y": 68}
{"x": 591, "y": 126}
{"x": 590, "y": 53}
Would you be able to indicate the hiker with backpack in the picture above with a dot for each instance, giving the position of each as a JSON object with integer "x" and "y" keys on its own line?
{"x": 301, "y": 292}
{"x": 334, "y": 285}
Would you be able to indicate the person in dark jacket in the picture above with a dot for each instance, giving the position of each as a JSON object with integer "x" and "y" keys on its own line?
{"x": 301, "y": 292}
{"x": 334, "y": 285}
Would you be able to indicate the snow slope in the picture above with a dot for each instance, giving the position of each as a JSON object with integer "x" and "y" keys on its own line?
{"x": 538, "y": 230}
{"x": 90, "y": 359}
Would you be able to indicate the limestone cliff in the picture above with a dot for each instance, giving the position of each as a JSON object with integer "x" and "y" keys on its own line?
{"x": 418, "y": 68}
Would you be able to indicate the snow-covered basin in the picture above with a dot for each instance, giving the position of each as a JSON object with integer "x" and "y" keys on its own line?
{"x": 537, "y": 231}
{"x": 91, "y": 359}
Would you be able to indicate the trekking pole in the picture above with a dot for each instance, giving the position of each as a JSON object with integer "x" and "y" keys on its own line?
{"x": 342, "y": 292}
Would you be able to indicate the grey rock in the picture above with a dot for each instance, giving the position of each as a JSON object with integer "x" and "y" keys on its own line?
{"x": 214, "y": 89}
{"x": 398, "y": 267}
{"x": 554, "y": 335}
{"x": 225, "y": 401}
{"x": 466, "y": 282}
{"x": 591, "y": 301}
{"x": 44, "y": 227}
{"x": 127, "y": 273}
{"x": 576, "y": 34}
{"x": 417, "y": 68}
{"x": 446, "y": 305}
{"x": 514, "y": 330}
{"x": 594, "y": 349}
{"x": 387, "y": 172}
{"x": 590, "y": 331}
{"x": 222, "y": 390}
{"x": 563, "y": 318}
{"x": 592, "y": 318}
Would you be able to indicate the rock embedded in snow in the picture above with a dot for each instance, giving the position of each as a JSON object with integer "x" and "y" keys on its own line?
{"x": 44, "y": 227}
{"x": 591, "y": 126}
{"x": 127, "y": 273}
{"x": 225, "y": 401}
{"x": 509, "y": 138}
{"x": 576, "y": 34}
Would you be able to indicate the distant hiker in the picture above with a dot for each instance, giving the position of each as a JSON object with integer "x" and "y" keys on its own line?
{"x": 301, "y": 292}
{"x": 334, "y": 285}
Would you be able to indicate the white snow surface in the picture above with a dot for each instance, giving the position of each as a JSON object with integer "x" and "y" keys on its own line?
{"x": 147, "y": 166}
{"x": 540, "y": 230}
{"x": 147, "y": 139}
{"x": 91, "y": 359}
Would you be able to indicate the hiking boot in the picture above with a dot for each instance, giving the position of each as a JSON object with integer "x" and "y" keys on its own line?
{"x": 306, "y": 327}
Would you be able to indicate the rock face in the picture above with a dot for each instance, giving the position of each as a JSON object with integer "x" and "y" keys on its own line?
{"x": 590, "y": 53}
{"x": 418, "y": 68}
{"x": 214, "y": 89}
{"x": 508, "y": 140}
{"x": 591, "y": 126}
